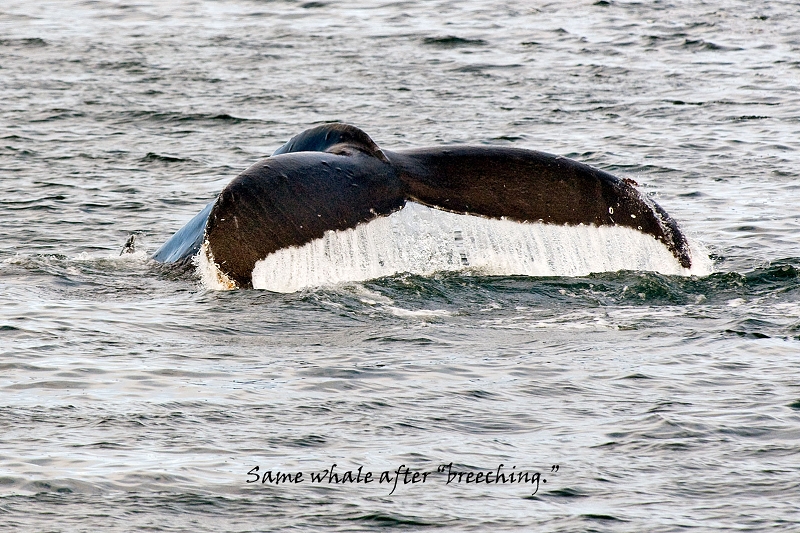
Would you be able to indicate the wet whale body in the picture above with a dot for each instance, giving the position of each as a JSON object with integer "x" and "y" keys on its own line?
{"x": 334, "y": 178}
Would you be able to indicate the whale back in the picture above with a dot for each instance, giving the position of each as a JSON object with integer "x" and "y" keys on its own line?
{"x": 186, "y": 242}
{"x": 332, "y": 138}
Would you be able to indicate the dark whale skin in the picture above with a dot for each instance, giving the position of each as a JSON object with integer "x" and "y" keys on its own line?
{"x": 334, "y": 177}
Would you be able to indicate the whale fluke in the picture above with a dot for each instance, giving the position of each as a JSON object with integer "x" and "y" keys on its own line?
{"x": 335, "y": 178}
{"x": 531, "y": 186}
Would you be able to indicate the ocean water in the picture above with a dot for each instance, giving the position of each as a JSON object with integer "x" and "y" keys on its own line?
{"x": 135, "y": 398}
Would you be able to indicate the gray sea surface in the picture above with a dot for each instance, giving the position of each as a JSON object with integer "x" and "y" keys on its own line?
{"x": 134, "y": 399}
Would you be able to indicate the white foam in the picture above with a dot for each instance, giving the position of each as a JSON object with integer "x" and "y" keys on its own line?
{"x": 421, "y": 240}
{"x": 210, "y": 275}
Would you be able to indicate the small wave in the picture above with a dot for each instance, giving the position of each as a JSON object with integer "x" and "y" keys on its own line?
{"x": 451, "y": 41}
{"x": 480, "y": 67}
{"x": 30, "y": 42}
{"x": 81, "y": 266}
{"x": 50, "y": 115}
{"x": 152, "y": 156}
{"x": 700, "y": 44}
{"x": 383, "y": 520}
{"x": 167, "y": 116}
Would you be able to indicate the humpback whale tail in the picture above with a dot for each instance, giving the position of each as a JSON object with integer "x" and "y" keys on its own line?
{"x": 331, "y": 201}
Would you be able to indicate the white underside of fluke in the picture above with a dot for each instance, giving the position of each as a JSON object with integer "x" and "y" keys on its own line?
{"x": 422, "y": 240}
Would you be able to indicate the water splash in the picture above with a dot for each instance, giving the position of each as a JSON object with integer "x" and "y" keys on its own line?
{"x": 210, "y": 275}
{"x": 421, "y": 240}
